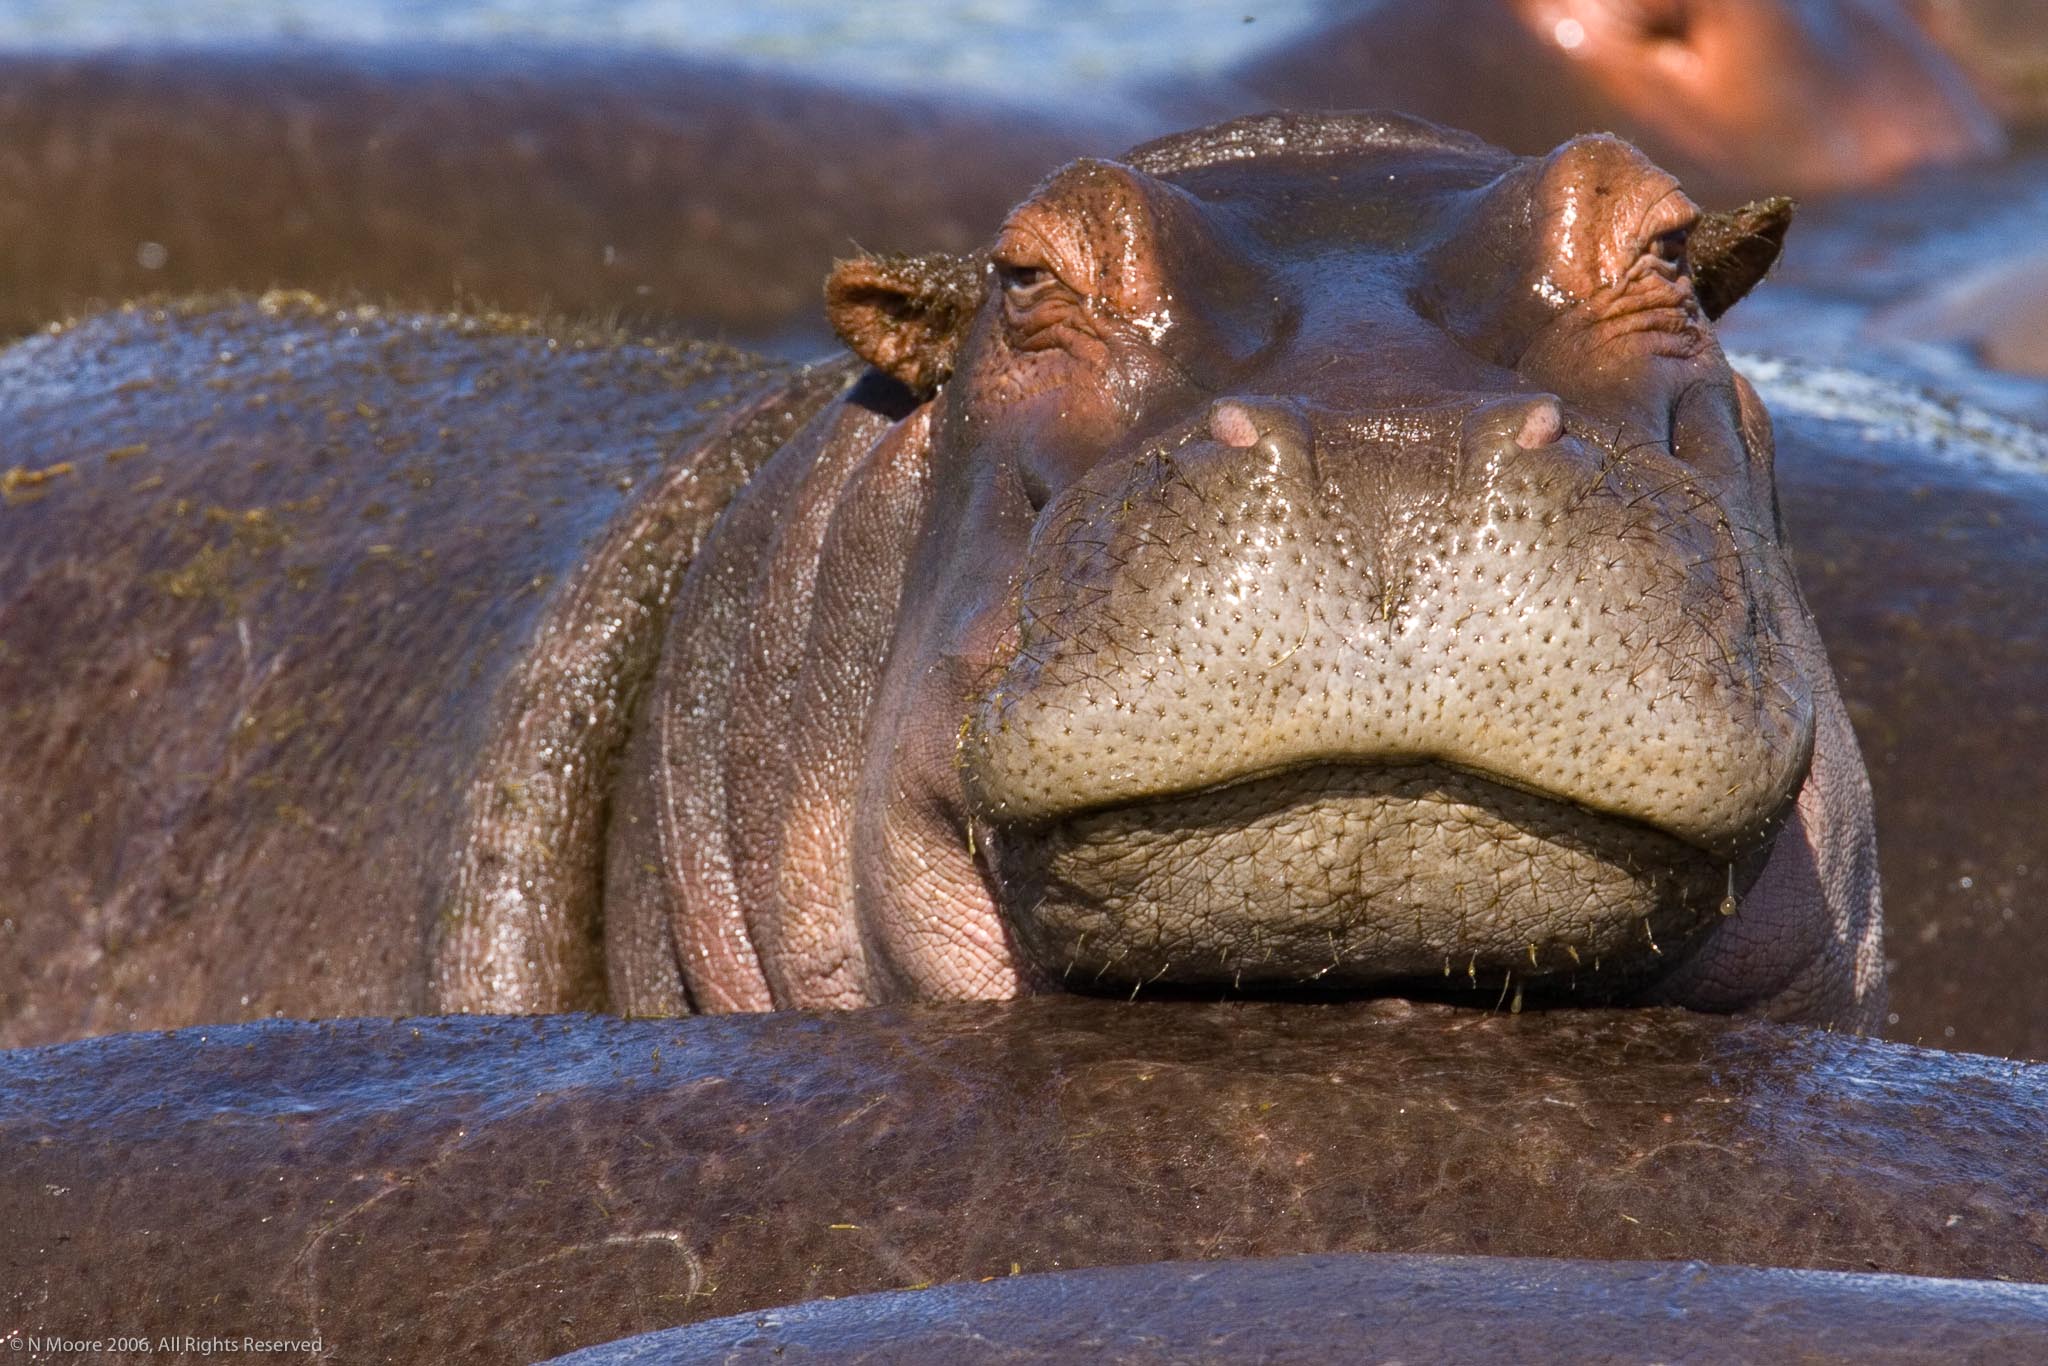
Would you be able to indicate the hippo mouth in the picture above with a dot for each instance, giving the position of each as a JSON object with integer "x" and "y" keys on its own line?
{"x": 1351, "y": 875}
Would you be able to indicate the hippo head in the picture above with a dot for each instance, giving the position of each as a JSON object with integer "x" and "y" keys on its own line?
{"x": 1817, "y": 94}
{"x": 1333, "y": 552}
{"x": 1746, "y": 95}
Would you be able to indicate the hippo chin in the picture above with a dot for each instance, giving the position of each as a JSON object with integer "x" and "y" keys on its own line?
{"x": 1312, "y": 551}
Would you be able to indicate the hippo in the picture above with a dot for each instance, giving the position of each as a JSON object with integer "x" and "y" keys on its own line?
{"x": 533, "y": 180}
{"x": 1738, "y": 96}
{"x": 1919, "y": 524}
{"x": 1361, "y": 1308}
{"x": 498, "y": 1190}
{"x": 1315, "y": 552}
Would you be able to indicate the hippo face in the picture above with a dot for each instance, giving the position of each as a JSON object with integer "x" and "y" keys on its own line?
{"x": 1826, "y": 93}
{"x": 1805, "y": 95}
{"x": 1351, "y": 560}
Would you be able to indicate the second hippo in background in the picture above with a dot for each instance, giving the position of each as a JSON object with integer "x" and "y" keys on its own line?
{"x": 1316, "y": 551}
{"x": 1736, "y": 96}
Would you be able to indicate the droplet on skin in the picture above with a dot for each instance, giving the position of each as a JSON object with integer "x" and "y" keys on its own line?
{"x": 1231, "y": 424}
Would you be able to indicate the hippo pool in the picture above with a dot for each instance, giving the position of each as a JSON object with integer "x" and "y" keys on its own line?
{"x": 1439, "y": 758}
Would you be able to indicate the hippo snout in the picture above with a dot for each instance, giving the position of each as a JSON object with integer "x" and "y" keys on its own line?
{"x": 1356, "y": 683}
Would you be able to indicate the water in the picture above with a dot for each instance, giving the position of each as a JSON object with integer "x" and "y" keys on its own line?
{"x": 1048, "y": 50}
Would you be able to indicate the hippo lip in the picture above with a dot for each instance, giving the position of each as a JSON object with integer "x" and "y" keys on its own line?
{"x": 1344, "y": 874}
{"x": 1738, "y": 848}
{"x": 992, "y": 808}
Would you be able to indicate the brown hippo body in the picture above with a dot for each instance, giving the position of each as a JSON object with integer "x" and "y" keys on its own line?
{"x": 1151, "y": 629}
{"x": 1455, "y": 1310}
{"x": 1919, "y": 526}
{"x": 1996, "y": 315}
{"x": 501, "y": 1190}
{"x": 540, "y": 181}
{"x": 278, "y": 578}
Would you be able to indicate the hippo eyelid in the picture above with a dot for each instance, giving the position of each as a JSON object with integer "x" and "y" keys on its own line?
{"x": 1021, "y": 279}
{"x": 1670, "y": 246}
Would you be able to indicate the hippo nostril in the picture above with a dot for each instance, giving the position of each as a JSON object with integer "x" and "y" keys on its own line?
{"x": 1542, "y": 425}
{"x": 1233, "y": 425}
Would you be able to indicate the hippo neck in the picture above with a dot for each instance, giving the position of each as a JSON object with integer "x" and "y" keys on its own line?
{"x": 747, "y": 758}
{"x": 523, "y": 927}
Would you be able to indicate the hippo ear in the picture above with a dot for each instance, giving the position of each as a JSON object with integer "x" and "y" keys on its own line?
{"x": 1731, "y": 251}
{"x": 905, "y": 315}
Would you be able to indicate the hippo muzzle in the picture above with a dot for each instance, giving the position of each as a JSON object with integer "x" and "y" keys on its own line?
{"x": 1354, "y": 567}
{"x": 1456, "y": 690}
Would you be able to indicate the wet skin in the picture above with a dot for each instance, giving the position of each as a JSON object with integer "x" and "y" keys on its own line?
{"x": 1278, "y": 512}
{"x": 1737, "y": 96}
{"x": 277, "y": 578}
{"x": 1447, "y": 1309}
{"x": 503, "y": 1190}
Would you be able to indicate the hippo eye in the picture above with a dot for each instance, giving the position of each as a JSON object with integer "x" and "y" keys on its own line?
{"x": 1023, "y": 284}
{"x": 1670, "y": 246}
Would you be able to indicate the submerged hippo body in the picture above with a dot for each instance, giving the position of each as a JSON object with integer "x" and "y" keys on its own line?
{"x": 536, "y": 181}
{"x": 501, "y": 1190}
{"x": 1152, "y": 617}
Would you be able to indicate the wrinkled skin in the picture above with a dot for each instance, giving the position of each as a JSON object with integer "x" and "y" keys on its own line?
{"x": 503, "y": 1190}
{"x": 936, "y": 708}
{"x": 1376, "y": 1308}
{"x": 1739, "y": 96}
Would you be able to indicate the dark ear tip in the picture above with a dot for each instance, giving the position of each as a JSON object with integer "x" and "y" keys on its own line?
{"x": 1732, "y": 250}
